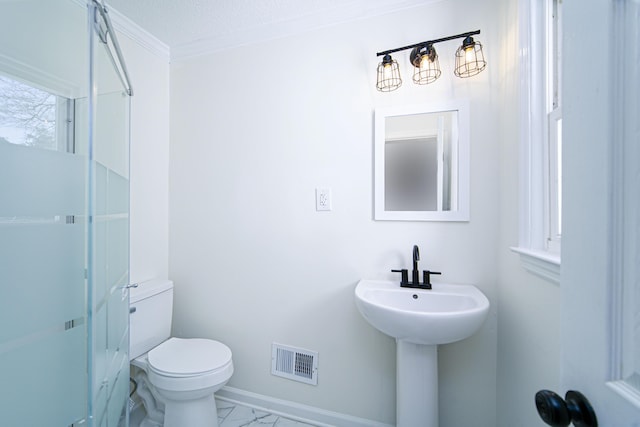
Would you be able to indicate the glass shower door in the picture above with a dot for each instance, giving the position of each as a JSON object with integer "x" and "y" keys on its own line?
{"x": 64, "y": 218}
{"x": 43, "y": 358}
{"x": 108, "y": 230}
{"x": 109, "y": 260}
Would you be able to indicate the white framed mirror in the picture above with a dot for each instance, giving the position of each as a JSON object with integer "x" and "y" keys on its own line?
{"x": 422, "y": 162}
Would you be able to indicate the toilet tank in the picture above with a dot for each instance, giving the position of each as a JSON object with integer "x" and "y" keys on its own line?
{"x": 150, "y": 312}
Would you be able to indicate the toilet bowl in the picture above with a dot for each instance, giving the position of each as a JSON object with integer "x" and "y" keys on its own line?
{"x": 177, "y": 377}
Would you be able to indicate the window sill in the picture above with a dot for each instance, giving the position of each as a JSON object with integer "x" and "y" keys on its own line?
{"x": 543, "y": 264}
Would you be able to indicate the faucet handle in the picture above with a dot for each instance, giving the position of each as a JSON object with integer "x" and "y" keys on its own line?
{"x": 405, "y": 275}
{"x": 426, "y": 276}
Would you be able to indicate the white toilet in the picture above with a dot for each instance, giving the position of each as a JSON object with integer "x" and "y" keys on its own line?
{"x": 176, "y": 377}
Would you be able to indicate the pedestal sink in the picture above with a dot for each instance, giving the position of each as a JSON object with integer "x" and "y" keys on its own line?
{"x": 420, "y": 320}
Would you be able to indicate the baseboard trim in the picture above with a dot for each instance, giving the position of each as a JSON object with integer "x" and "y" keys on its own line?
{"x": 292, "y": 410}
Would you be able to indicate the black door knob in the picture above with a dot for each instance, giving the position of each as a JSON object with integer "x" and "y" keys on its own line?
{"x": 558, "y": 412}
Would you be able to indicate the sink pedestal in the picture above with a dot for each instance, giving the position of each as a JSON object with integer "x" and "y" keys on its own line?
{"x": 416, "y": 384}
{"x": 444, "y": 314}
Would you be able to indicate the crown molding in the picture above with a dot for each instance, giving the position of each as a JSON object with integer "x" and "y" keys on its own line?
{"x": 132, "y": 30}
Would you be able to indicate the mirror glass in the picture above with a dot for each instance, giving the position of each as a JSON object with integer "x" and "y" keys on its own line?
{"x": 422, "y": 163}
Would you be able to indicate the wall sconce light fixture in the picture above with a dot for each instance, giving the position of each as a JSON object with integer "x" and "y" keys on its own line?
{"x": 388, "y": 75}
{"x": 469, "y": 62}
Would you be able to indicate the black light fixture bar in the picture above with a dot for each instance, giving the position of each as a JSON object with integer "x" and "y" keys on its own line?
{"x": 444, "y": 39}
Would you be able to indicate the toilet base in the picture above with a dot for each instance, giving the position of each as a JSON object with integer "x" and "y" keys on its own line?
{"x": 164, "y": 408}
{"x": 153, "y": 407}
{"x": 193, "y": 413}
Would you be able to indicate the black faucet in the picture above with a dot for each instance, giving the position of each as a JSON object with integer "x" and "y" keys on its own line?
{"x": 416, "y": 258}
{"x": 415, "y": 274}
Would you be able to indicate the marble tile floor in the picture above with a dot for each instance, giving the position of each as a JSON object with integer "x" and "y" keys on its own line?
{"x": 234, "y": 415}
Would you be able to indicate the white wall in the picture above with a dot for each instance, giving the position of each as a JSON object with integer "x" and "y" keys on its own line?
{"x": 254, "y": 131}
{"x": 149, "y": 156}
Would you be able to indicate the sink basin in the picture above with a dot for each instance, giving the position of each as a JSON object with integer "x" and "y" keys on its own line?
{"x": 444, "y": 314}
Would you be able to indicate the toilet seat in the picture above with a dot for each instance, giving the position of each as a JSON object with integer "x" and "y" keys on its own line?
{"x": 183, "y": 365}
{"x": 179, "y": 358}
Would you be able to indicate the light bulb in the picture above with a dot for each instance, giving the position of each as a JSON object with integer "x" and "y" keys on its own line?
{"x": 387, "y": 71}
{"x": 470, "y": 54}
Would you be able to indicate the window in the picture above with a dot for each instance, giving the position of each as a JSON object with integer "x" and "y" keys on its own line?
{"x": 541, "y": 136}
{"x": 34, "y": 117}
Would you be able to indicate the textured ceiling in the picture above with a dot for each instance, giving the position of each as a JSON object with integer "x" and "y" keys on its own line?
{"x": 182, "y": 22}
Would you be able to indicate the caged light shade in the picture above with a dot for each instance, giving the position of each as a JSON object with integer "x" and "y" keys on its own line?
{"x": 469, "y": 58}
{"x": 469, "y": 61}
{"x": 388, "y": 75}
{"x": 426, "y": 64}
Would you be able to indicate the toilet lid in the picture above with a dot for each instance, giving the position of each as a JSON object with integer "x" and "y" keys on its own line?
{"x": 186, "y": 357}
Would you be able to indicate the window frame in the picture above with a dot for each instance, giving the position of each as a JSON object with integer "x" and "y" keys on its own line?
{"x": 553, "y": 18}
{"x": 540, "y": 140}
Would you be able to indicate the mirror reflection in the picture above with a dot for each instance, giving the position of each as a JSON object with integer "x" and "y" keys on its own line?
{"x": 422, "y": 163}
{"x": 420, "y": 153}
